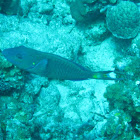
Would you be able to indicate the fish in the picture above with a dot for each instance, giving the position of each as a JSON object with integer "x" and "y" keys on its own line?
{"x": 51, "y": 65}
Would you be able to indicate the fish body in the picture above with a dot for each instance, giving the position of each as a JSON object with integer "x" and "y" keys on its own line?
{"x": 51, "y": 65}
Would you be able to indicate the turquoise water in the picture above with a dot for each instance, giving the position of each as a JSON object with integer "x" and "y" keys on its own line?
{"x": 99, "y": 35}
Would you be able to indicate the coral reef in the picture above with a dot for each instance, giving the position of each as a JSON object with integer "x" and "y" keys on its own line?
{"x": 15, "y": 116}
{"x": 33, "y": 107}
{"x": 124, "y": 95}
{"x": 118, "y": 126}
{"x": 83, "y": 11}
{"x": 123, "y": 20}
{"x": 10, "y": 77}
{"x": 10, "y": 7}
{"x": 113, "y": 1}
{"x": 96, "y": 32}
{"x": 5, "y": 88}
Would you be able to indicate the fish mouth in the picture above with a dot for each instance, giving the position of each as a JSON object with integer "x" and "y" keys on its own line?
{"x": 7, "y": 52}
{"x": 4, "y": 53}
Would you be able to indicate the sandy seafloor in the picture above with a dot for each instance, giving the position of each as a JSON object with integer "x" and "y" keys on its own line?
{"x": 53, "y": 109}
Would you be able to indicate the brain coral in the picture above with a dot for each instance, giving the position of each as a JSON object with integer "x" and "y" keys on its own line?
{"x": 123, "y": 20}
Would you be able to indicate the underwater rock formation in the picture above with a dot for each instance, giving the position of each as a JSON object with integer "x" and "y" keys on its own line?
{"x": 5, "y": 88}
{"x": 97, "y": 32}
{"x": 83, "y": 11}
{"x": 10, "y": 7}
{"x": 10, "y": 77}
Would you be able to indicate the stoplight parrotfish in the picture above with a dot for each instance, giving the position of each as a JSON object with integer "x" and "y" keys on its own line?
{"x": 51, "y": 65}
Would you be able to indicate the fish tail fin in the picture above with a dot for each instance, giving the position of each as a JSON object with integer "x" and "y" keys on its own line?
{"x": 104, "y": 75}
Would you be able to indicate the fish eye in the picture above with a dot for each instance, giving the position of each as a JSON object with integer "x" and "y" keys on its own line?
{"x": 19, "y": 56}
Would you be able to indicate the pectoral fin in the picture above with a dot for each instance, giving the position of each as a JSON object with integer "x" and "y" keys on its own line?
{"x": 38, "y": 68}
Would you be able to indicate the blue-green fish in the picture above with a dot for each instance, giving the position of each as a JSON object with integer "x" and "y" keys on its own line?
{"x": 51, "y": 65}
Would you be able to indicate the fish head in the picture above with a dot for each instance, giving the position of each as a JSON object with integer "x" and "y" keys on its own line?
{"x": 20, "y": 57}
